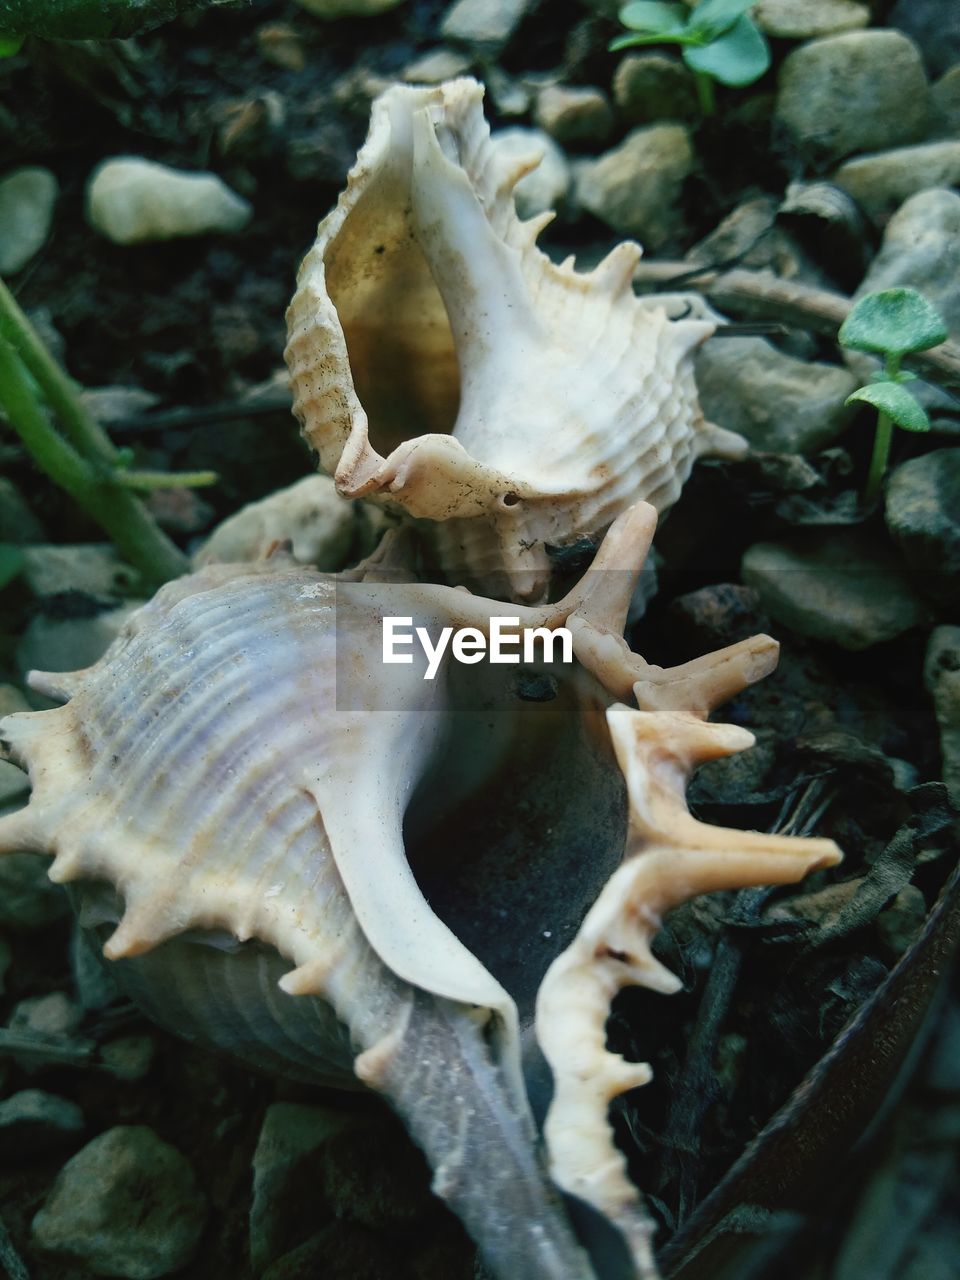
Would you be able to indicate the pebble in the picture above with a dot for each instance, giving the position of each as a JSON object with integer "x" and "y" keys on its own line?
{"x": 29, "y": 900}
{"x": 934, "y": 25}
{"x": 747, "y": 233}
{"x": 376, "y": 1177}
{"x": 310, "y": 514}
{"x": 52, "y": 643}
{"x": 27, "y": 199}
{"x": 131, "y": 200}
{"x": 651, "y": 86}
{"x": 880, "y": 183}
{"x": 93, "y": 980}
{"x": 280, "y": 44}
{"x": 509, "y": 96}
{"x": 54, "y": 1014}
{"x": 941, "y": 675}
{"x": 636, "y": 187}
{"x": 33, "y": 1122}
{"x": 331, "y": 9}
{"x": 544, "y": 187}
{"x": 127, "y": 1204}
{"x": 129, "y": 1057}
{"x": 14, "y": 783}
{"x": 781, "y": 404}
{"x": 93, "y": 568}
{"x": 839, "y": 586}
{"x": 923, "y": 517}
{"x": 574, "y": 116}
{"x": 945, "y": 104}
{"x": 487, "y": 22}
{"x": 338, "y": 1252}
{"x": 715, "y": 616}
{"x": 807, "y": 19}
{"x": 860, "y": 91}
{"x": 436, "y": 66}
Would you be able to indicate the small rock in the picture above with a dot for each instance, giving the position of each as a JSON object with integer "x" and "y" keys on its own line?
{"x": 127, "y": 1204}
{"x": 18, "y": 524}
{"x": 287, "y": 1174}
{"x": 129, "y": 1057}
{"x": 714, "y": 617}
{"x": 934, "y": 25}
{"x": 900, "y": 923}
{"x": 747, "y": 234}
{"x": 93, "y": 568}
{"x": 574, "y": 115}
{"x": 509, "y": 97}
{"x": 488, "y": 22}
{"x": 544, "y": 187}
{"x": 180, "y": 510}
{"x": 117, "y": 404}
{"x": 33, "y": 1122}
{"x": 635, "y": 188}
{"x": 375, "y": 1176}
{"x": 941, "y": 675}
{"x": 330, "y": 9}
{"x": 780, "y": 404}
{"x": 861, "y": 91}
{"x": 28, "y": 898}
{"x": 27, "y": 198}
{"x": 280, "y": 44}
{"x": 880, "y": 183}
{"x": 67, "y": 644}
{"x": 650, "y": 86}
{"x": 807, "y": 19}
{"x": 838, "y": 586}
{"x": 310, "y": 514}
{"x": 436, "y": 66}
{"x": 923, "y": 517}
{"x": 51, "y": 1015}
{"x": 945, "y": 105}
{"x": 338, "y": 1252}
{"x": 131, "y": 200}
{"x": 93, "y": 979}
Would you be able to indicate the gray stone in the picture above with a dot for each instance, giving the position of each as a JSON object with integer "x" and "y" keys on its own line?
{"x": 934, "y": 25}
{"x": 28, "y": 898}
{"x": 435, "y": 66}
{"x": 651, "y": 86}
{"x": 840, "y": 586}
{"x": 131, "y": 200}
{"x": 18, "y": 524}
{"x": 54, "y": 1014}
{"x": 129, "y": 1057}
{"x": 945, "y": 105}
{"x": 880, "y": 183}
{"x": 27, "y": 198}
{"x": 509, "y": 97}
{"x": 923, "y": 516}
{"x": 941, "y": 674}
{"x": 747, "y": 233}
{"x": 781, "y": 405}
{"x": 93, "y": 978}
{"x": 574, "y": 115}
{"x": 288, "y": 1170}
{"x": 636, "y": 187}
{"x": 114, "y": 404}
{"x": 807, "y": 19}
{"x": 310, "y": 514}
{"x": 544, "y": 187}
{"x": 127, "y": 1204}
{"x": 861, "y": 91}
{"x": 94, "y": 568}
{"x": 376, "y": 1177}
{"x": 14, "y": 783}
{"x": 33, "y": 1122}
{"x": 67, "y": 644}
{"x": 487, "y": 22}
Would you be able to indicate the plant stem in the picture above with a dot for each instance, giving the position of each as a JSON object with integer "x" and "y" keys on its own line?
{"x": 146, "y": 480}
{"x": 705, "y": 93}
{"x": 116, "y": 510}
{"x": 878, "y": 463}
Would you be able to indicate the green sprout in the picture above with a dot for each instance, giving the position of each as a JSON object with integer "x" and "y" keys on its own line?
{"x": 80, "y": 457}
{"x": 717, "y": 40}
{"x": 891, "y": 323}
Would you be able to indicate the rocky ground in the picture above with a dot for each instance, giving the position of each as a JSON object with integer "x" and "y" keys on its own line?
{"x": 124, "y": 1152}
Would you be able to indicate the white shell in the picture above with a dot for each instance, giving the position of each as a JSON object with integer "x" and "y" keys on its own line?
{"x": 442, "y": 362}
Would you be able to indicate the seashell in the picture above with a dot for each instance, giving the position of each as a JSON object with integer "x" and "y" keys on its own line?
{"x": 226, "y": 796}
{"x": 442, "y": 363}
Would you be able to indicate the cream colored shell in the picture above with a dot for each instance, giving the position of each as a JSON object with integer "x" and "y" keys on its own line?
{"x": 442, "y": 362}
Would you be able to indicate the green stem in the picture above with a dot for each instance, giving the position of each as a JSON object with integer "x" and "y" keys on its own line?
{"x": 892, "y": 366}
{"x": 116, "y": 510}
{"x": 878, "y": 463}
{"x": 146, "y": 480}
{"x": 705, "y": 93}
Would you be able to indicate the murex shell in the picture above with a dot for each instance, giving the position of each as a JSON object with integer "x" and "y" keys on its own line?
{"x": 226, "y": 791}
{"x": 441, "y": 362}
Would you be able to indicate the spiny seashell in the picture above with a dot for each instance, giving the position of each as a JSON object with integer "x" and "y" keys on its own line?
{"x": 442, "y": 362}
{"x": 225, "y": 797}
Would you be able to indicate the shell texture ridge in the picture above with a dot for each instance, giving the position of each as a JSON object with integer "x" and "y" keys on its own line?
{"x": 441, "y": 362}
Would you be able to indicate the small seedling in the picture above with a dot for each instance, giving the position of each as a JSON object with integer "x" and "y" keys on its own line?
{"x": 891, "y": 323}
{"x": 717, "y": 40}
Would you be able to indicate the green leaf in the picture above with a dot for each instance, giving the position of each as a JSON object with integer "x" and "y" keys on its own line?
{"x": 652, "y": 16}
{"x": 738, "y": 57}
{"x": 9, "y": 45}
{"x": 632, "y": 41}
{"x": 896, "y": 402}
{"x": 11, "y": 562}
{"x": 713, "y": 17}
{"x": 893, "y": 322}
